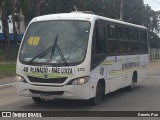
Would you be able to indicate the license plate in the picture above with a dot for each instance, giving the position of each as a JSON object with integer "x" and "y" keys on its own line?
{"x": 47, "y": 97}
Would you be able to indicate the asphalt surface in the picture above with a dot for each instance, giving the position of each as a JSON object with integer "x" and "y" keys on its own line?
{"x": 145, "y": 97}
{"x": 7, "y": 80}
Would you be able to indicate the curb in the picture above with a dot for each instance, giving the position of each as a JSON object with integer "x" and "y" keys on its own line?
{"x": 7, "y": 85}
{"x": 152, "y": 61}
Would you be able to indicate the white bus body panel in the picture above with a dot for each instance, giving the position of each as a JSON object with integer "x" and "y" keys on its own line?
{"x": 110, "y": 70}
{"x": 115, "y": 78}
{"x": 117, "y": 71}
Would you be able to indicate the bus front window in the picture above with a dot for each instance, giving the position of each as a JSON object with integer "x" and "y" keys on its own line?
{"x": 55, "y": 42}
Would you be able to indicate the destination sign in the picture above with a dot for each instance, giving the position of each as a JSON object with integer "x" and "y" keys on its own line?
{"x": 54, "y": 70}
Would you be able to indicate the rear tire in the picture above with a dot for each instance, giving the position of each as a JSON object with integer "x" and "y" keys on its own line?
{"x": 133, "y": 84}
{"x": 99, "y": 93}
{"x": 38, "y": 100}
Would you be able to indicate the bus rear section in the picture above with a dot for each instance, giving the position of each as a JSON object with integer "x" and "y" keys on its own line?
{"x": 119, "y": 55}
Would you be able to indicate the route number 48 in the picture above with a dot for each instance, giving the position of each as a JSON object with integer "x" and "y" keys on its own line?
{"x": 25, "y": 69}
{"x": 33, "y": 40}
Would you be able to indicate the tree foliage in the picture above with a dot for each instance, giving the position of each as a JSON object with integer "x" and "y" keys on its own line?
{"x": 134, "y": 11}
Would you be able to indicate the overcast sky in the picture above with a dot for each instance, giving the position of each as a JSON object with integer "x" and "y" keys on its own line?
{"x": 154, "y": 4}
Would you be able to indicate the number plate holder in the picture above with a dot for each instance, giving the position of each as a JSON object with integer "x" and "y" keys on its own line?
{"x": 47, "y": 97}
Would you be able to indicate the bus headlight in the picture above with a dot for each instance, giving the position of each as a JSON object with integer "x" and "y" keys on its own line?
{"x": 19, "y": 78}
{"x": 78, "y": 81}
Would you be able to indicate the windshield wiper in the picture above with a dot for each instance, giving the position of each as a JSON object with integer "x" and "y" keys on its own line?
{"x": 46, "y": 51}
{"x": 55, "y": 45}
{"x": 52, "y": 49}
{"x": 40, "y": 55}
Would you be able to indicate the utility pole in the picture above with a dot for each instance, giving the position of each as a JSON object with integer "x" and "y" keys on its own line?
{"x": 121, "y": 10}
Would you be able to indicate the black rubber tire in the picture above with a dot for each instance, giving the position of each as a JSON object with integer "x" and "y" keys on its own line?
{"x": 133, "y": 84}
{"x": 99, "y": 93}
{"x": 38, "y": 100}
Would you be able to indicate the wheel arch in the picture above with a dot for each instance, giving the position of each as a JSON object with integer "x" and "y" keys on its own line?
{"x": 103, "y": 82}
{"x": 135, "y": 76}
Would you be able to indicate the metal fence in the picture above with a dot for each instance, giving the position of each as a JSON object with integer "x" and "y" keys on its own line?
{"x": 154, "y": 54}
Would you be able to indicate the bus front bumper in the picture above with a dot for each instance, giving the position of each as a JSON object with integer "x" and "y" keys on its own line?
{"x": 60, "y": 92}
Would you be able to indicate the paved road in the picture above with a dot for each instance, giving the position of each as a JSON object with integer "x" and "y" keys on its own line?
{"x": 7, "y": 80}
{"x": 145, "y": 97}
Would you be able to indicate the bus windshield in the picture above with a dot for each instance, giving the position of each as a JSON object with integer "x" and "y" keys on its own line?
{"x": 55, "y": 42}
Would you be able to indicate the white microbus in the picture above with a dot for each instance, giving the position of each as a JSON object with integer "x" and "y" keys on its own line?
{"x": 80, "y": 56}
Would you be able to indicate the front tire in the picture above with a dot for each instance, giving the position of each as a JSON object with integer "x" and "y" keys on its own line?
{"x": 99, "y": 94}
{"x": 38, "y": 100}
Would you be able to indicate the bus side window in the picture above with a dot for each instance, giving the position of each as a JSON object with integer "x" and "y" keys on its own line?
{"x": 112, "y": 31}
{"x": 143, "y": 36}
{"x": 123, "y": 33}
{"x": 99, "y": 43}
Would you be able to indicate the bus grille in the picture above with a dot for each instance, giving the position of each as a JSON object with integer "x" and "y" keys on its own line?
{"x": 47, "y": 93}
{"x": 50, "y": 80}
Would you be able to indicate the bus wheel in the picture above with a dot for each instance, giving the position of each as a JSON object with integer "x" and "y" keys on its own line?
{"x": 133, "y": 84}
{"x": 99, "y": 94}
{"x": 38, "y": 100}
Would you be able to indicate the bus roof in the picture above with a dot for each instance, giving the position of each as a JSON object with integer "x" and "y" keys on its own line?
{"x": 81, "y": 16}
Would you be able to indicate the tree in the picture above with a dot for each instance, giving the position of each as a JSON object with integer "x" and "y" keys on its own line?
{"x": 33, "y": 8}
{"x": 15, "y": 14}
{"x": 5, "y": 9}
{"x": 112, "y": 9}
{"x": 134, "y": 10}
{"x": 151, "y": 19}
{"x": 154, "y": 40}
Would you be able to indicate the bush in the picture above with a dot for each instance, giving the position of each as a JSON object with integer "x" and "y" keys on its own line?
{"x": 7, "y": 70}
{"x": 9, "y": 54}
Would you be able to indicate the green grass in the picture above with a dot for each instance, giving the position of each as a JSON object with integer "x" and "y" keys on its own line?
{"x": 7, "y": 70}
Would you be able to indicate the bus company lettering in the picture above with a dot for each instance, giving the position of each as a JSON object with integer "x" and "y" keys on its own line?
{"x": 53, "y": 70}
{"x": 62, "y": 70}
{"x": 39, "y": 70}
{"x": 130, "y": 65}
